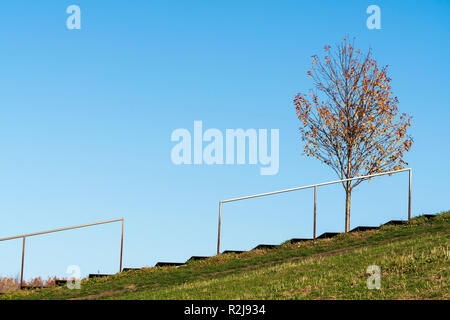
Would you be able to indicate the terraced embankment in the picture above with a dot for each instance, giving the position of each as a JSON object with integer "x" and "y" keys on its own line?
{"x": 414, "y": 260}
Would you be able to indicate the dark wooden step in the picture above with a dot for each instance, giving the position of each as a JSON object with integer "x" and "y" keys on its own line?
{"x": 130, "y": 269}
{"x": 363, "y": 228}
{"x": 328, "y": 235}
{"x": 60, "y": 282}
{"x": 169, "y": 264}
{"x": 32, "y": 287}
{"x": 265, "y": 246}
{"x": 297, "y": 240}
{"x": 196, "y": 258}
{"x": 395, "y": 223}
{"x": 98, "y": 275}
{"x": 233, "y": 251}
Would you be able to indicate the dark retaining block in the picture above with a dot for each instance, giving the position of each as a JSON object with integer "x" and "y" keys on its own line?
{"x": 297, "y": 240}
{"x": 130, "y": 269}
{"x": 196, "y": 258}
{"x": 169, "y": 264}
{"x": 98, "y": 275}
{"x": 233, "y": 251}
{"x": 328, "y": 235}
{"x": 31, "y": 287}
{"x": 60, "y": 282}
{"x": 395, "y": 223}
{"x": 265, "y": 246}
{"x": 363, "y": 228}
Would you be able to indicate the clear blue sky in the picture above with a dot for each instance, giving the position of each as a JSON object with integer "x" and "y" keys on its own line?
{"x": 86, "y": 117}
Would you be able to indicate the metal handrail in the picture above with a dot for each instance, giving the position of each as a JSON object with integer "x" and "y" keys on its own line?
{"x": 24, "y": 236}
{"x": 315, "y": 186}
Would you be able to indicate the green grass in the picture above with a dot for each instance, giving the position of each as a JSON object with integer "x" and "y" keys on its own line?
{"x": 414, "y": 262}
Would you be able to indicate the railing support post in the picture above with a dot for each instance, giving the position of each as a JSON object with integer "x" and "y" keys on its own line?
{"x": 121, "y": 247}
{"x": 409, "y": 195}
{"x": 23, "y": 259}
{"x": 315, "y": 211}
{"x": 218, "y": 232}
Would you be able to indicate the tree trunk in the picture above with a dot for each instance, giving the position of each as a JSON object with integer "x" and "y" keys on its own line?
{"x": 348, "y": 198}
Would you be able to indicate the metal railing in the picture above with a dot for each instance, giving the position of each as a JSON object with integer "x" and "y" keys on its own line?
{"x": 315, "y": 186}
{"x": 24, "y": 236}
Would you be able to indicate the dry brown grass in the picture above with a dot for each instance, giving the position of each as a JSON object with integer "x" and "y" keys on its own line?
{"x": 10, "y": 284}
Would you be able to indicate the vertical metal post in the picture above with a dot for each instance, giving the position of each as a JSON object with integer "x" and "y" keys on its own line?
{"x": 218, "y": 232}
{"x": 121, "y": 247}
{"x": 23, "y": 258}
{"x": 315, "y": 211}
{"x": 409, "y": 195}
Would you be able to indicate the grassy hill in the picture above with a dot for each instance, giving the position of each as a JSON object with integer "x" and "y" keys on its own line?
{"x": 414, "y": 262}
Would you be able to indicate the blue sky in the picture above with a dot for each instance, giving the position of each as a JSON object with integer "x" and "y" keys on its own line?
{"x": 86, "y": 118}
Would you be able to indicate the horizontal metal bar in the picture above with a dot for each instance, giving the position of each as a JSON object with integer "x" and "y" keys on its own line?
{"x": 314, "y": 185}
{"x": 61, "y": 229}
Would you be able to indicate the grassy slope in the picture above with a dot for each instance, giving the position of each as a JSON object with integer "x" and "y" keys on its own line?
{"x": 414, "y": 261}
